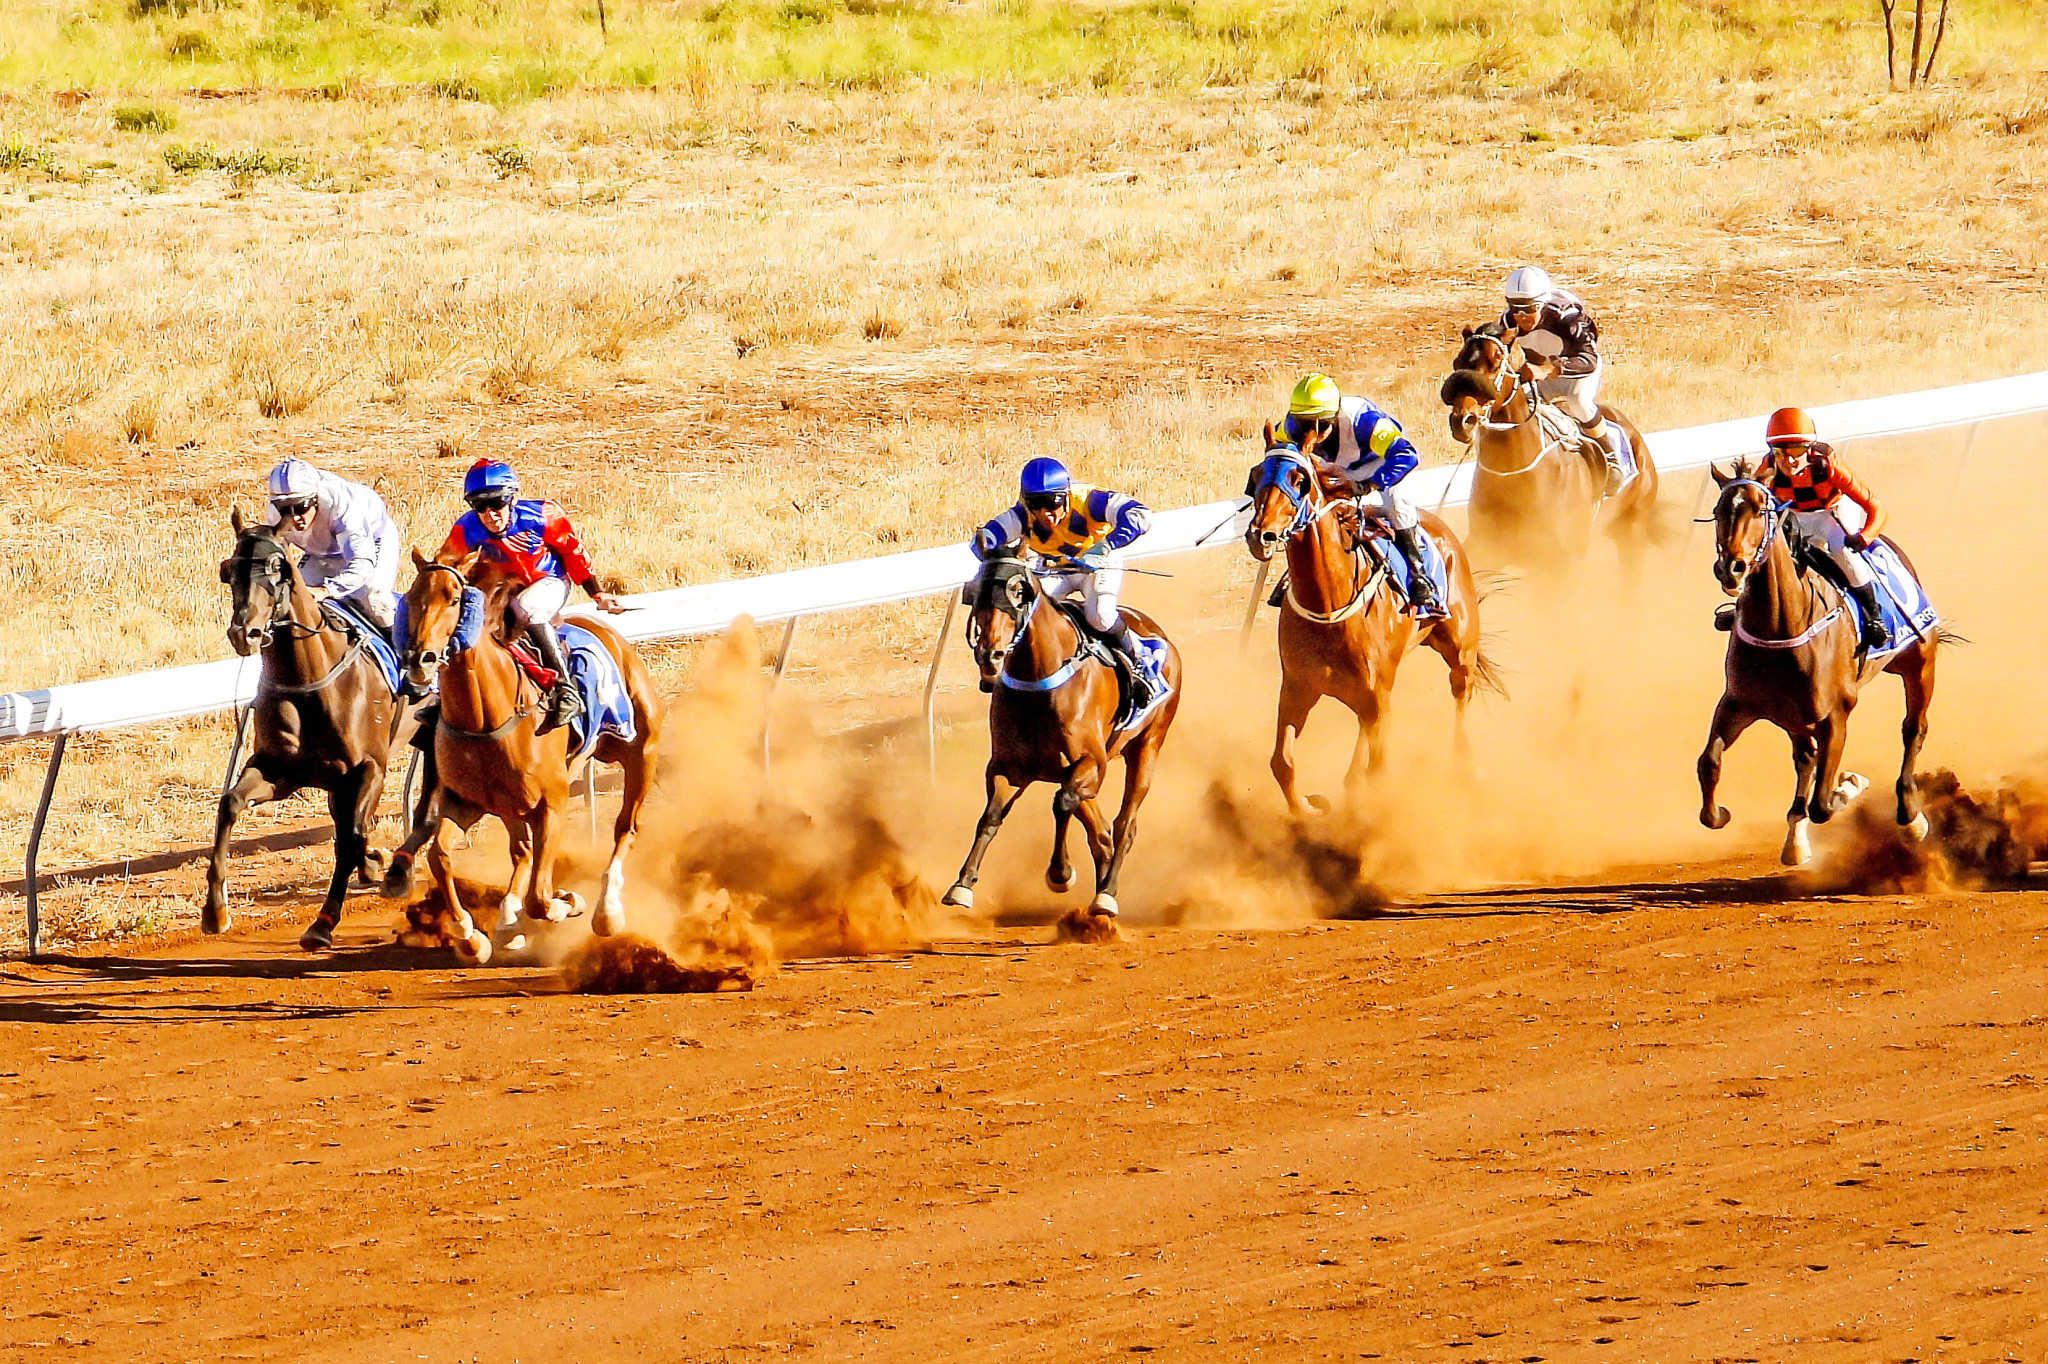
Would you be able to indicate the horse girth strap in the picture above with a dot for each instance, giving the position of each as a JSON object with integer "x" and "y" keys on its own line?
{"x": 355, "y": 650}
{"x": 500, "y": 732}
{"x": 1350, "y": 608}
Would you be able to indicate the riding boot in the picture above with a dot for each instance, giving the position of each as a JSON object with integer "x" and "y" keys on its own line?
{"x": 1279, "y": 594}
{"x": 1724, "y": 617}
{"x": 1149, "y": 684}
{"x": 427, "y": 719}
{"x": 566, "y": 703}
{"x": 1873, "y": 615}
{"x": 1609, "y": 437}
{"x": 1421, "y": 591}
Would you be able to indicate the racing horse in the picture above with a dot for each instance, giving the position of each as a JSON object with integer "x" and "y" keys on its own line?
{"x": 1345, "y": 626}
{"x": 489, "y": 759}
{"x": 1793, "y": 660}
{"x": 324, "y": 717}
{"x": 1052, "y": 718}
{"x": 1527, "y": 506}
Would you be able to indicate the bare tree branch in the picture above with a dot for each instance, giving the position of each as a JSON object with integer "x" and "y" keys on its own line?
{"x": 1913, "y": 63}
{"x": 1891, "y": 42}
{"x": 1940, "y": 30}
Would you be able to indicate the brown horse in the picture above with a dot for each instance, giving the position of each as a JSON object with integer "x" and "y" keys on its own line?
{"x": 324, "y": 718}
{"x": 1528, "y": 504}
{"x": 1052, "y": 719}
{"x": 1793, "y": 660}
{"x": 489, "y": 760}
{"x": 1346, "y": 627}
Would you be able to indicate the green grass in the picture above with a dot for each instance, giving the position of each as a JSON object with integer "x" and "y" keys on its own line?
{"x": 517, "y": 49}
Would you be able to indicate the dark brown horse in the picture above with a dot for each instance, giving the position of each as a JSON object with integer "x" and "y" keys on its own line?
{"x": 489, "y": 760}
{"x": 324, "y": 718}
{"x": 1346, "y": 627}
{"x": 1793, "y": 660}
{"x": 1052, "y": 719}
{"x": 1536, "y": 499}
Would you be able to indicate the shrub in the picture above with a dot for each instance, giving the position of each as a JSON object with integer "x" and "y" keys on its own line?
{"x": 509, "y": 158}
{"x": 144, "y": 118}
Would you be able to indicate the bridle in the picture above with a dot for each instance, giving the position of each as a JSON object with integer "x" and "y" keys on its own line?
{"x": 276, "y": 572}
{"x": 1018, "y": 598}
{"x": 1309, "y": 507}
{"x": 430, "y": 658}
{"x": 1774, "y": 517}
{"x": 429, "y": 661}
{"x": 1516, "y": 383}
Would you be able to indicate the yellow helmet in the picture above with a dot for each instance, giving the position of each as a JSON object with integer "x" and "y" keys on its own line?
{"x": 1315, "y": 396}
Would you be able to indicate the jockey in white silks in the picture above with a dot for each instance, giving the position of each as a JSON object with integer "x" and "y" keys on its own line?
{"x": 1076, "y": 532}
{"x": 352, "y": 548}
{"x": 1558, "y": 321}
{"x": 1374, "y": 454}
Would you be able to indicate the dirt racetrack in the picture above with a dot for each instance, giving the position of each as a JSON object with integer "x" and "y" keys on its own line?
{"x": 1660, "y": 1118}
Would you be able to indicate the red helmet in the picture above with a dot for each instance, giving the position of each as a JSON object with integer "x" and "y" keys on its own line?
{"x": 1789, "y": 426}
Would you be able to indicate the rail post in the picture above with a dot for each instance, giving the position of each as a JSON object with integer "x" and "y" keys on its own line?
{"x": 35, "y": 842}
{"x": 1955, "y": 484}
{"x": 227, "y": 780}
{"x": 768, "y": 709}
{"x": 1251, "y": 607}
{"x": 1693, "y": 520}
{"x": 931, "y": 689}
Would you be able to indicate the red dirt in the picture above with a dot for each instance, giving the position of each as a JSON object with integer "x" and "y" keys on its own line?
{"x": 1663, "y": 1118}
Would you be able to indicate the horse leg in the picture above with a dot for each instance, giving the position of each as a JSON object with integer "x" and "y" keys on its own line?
{"x": 1002, "y": 794}
{"x": 253, "y": 787}
{"x": 398, "y": 873}
{"x": 1137, "y": 783}
{"x": 1059, "y": 872}
{"x": 1835, "y": 788}
{"x": 351, "y": 841}
{"x": 1367, "y": 753}
{"x": 520, "y": 832}
{"x": 1729, "y": 722}
{"x": 1919, "y": 693}
{"x": 1444, "y": 640}
{"x": 455, "y": 815}
{"x": 554, "y": 906}
{"x": 611, "y": 906}
{"x": 1296, "y": 702}
{"x": 1798, "y": 851}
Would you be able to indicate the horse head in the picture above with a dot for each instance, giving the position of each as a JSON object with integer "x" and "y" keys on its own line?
{"x": 440, "y": 616}
{"x": 1002, "y": 595}
{"x": 261, "y": 576}
{"x": 1285, "y": 491}
{"x": 1745, "y": 520}
{"x": 1482, "y": 378}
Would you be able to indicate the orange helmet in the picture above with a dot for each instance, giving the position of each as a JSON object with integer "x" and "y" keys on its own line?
{"x": 1789, "y": 426}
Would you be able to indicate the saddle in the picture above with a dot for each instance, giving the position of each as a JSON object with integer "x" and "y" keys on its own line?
{"x": 1095, "y": 647}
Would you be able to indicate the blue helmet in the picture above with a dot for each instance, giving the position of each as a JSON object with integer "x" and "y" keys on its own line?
{"x": 1045, "y": 476}
{"x": 490, "y": 476}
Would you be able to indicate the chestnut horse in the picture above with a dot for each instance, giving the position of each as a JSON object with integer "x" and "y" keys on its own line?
{"x": 488, "y": 759}
{"x": 324, "y": 717}
{"x": 1051, "y": 719}
{"x": 1346, "y": 626}
{"x": 1793, "y": 660}
{"x": 1528, "y": 506}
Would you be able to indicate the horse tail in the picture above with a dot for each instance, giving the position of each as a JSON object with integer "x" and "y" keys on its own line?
{"x": 1491, "y": 582}
{"x": 1944, "y": 635}
{"x": 1486, "y": 672}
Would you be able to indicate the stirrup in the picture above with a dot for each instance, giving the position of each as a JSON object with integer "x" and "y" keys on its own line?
{"x": 1724, "y": 617}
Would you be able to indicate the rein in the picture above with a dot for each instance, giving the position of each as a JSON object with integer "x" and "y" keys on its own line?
{"x": 1493, "y": 423}
{"x": 1774, "y": 519}
{"x": 523, "y": 704}
{"x": 1052, "y": 681}
{"x": 278, "y": 567}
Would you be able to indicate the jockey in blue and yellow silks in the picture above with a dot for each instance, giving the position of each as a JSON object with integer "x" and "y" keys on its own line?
{"x": 1076, "y": 532}
{"x": 1370, "y": 449}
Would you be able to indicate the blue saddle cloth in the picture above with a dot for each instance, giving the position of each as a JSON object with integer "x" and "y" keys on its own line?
{"x": 607, "y": 709}
{"x": 376, "y": 641}
{"x": 1396, "y": 564}
{"x": 1901, "y": 600}
{"x": 1628, "y": 450}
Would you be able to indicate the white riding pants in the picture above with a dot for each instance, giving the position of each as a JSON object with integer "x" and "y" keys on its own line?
{"x": 378, "y": 597}
{"x": 541, "y": 602}
{"x": 1830, "y": 528}
{"x": 1400, "y": 512}
{"x": 1095, "y": 588}
{"x": 1576, "y": 395}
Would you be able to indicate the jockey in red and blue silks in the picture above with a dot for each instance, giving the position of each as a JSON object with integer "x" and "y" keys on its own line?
{"x": 534, "y": 541}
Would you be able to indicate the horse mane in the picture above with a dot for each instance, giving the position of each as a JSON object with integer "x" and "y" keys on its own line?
{"x": 1466, "y": 383}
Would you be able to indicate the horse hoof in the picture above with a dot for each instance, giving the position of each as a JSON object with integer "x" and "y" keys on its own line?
{"x": 1795, "y": 856}
{"x": 318, "y": 938}
{"x": 475, "y": 949}
{"x": 1915, "y": 828}
{"x": 608, "y": 921}
{"x": 1717, "y": 818}
{"x": 563, "y": 904}
{"x": 1851, "y": 785}
{"x": 509, "y": 910}
{"x": 515, "y": 943}
{"x": 1104, "y": 903}
{"x": 1058, "y": 886}
{"x": 960, "y": 897}
{"x": 376, "y": 864}
{"x": 397, "y": 878}
{"x": 216, "y": 921}
{"x": 1321, "y": 804}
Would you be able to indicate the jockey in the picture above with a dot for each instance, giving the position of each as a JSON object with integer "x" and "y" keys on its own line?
{"x": 1078, "y": 531}
{"x": 1537, "y": 307}
{"x": 1833, "y": 510}
{"x": 1369, "y": 448}
{"x": 534, "y": 541}
{"x": 352, "y": 548}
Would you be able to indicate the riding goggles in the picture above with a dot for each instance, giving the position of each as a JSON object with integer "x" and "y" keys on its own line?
{"x": 1050, "y": 502}
{"x": 291, "y": 506}
{"x": 494, "y": 501}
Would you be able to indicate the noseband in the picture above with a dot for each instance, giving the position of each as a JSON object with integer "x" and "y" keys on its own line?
{"x": 1773, "y": 515}
{"x": 276, "y": 568}
{"x": 1272, "y": 472}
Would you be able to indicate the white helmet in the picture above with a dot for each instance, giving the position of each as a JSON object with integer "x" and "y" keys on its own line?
{"x": 294, "y": 478}
{"x": 1528, "y": 284}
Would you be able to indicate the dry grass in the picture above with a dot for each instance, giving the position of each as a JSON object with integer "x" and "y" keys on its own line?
{"x": 743, "y": 329}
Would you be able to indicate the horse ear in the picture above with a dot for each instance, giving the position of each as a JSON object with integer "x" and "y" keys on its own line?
{"x": 1465, "y": 333}
{"x": 1269, "y": 433}
{"x": 419, "y": 561}
{"x": 235, "y": 517}
{"x": 227, "y": 569}
{"x": 1721, "y": 479}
